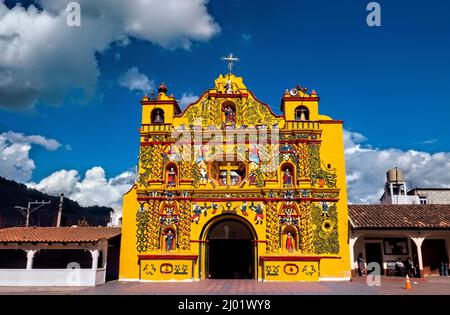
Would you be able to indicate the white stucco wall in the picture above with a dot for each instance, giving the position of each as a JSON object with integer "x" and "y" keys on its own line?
{"x": 52, "y": 277}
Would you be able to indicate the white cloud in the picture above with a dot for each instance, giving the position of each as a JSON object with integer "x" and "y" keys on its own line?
{"x": 187, "y": 99}
{"x": 59, "y": 182}
{"x": 42, "y": 58}
{"x": 428, "y": 142}
{"x": 134, "y": 80}
{"x": 15, "y": 137}
{"x": 15, "y": 161}
{"x": 94, "y": 189}
{"x": 367, "y": 166}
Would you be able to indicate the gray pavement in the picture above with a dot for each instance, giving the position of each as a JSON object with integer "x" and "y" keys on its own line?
{"x": 358, "y": 286}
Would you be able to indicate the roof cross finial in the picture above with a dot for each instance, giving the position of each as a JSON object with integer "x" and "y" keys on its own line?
{"x": 230, "y": 59}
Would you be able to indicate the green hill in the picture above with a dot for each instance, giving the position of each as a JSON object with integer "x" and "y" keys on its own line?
{"x": 14, "y": 194}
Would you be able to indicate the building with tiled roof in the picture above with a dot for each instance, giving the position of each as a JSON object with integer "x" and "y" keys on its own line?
{"x": 58, "y": 256}
{"x": 385, "y": 233}
{"x": 417, "y": 217}
{"x": 412, "y": 225}
{"x": 57, "y": 234}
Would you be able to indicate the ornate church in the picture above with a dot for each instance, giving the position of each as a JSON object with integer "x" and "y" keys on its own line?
{"x": 227, "y": 189}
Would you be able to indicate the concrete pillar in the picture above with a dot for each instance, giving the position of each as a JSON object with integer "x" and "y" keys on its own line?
{"x": 105, "y": 255}
{"x": 351, "y": 244}
{"x": 94, "y": 254}
{"x": 418, "y": 241}
{"x": 30, "y": 257}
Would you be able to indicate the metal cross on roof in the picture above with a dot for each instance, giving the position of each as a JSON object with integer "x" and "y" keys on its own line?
{"x": 230, "y": 59}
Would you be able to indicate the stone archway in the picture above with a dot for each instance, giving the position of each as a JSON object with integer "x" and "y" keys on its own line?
{"x": 230, "y": 252}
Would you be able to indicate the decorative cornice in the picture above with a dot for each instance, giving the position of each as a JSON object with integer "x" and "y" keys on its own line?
{"x": 164, "y": 102}
{"x": 297, "y": 258}
{"x": 168, "y": 257}
{"x": 330, "y": 122}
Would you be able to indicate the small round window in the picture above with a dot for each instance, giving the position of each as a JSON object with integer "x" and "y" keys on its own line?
{"x": 327, "y": 226}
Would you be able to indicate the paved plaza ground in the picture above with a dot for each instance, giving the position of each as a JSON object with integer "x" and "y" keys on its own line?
{"x": 358, "y": 286}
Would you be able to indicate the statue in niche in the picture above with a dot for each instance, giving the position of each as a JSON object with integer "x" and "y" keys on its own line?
{"x": 230, "y": 116}
{"x": 287, "y": 177}
{"x": 169, "y": 240}
{"x": 229, "y": 87}
{"x": 252, "y": 177}
{"x": 289, "y": 242}
{"x": 171, "y": 177}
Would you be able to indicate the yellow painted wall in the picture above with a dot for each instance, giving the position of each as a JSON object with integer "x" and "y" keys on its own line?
{"x": 250, "y": 112}
{"x": 128, "y": 267}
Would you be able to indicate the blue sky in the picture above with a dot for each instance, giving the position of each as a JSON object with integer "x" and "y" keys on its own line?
{"x": 388, "y": 83}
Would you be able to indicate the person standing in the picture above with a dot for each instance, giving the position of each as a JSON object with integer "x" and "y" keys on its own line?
{"x": 443, "y": 271}
{"x": 361, "y": 265}
{"x": 410, "y": 268}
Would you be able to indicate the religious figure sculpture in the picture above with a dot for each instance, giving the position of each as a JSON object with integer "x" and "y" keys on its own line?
{"x": 229, "y": 87}
{"x": 290, "y": 242}
{"x": 214, "y": 208}
{"x": 203, "y": 175}
{"x": 169, "y": 240}
{"x": 229, "y": 115}
{"x": 287, "y": 177}
{"x": 259, "y": 214}
{"x": 252, "y": 177}
{"x": 288, "y": 196}
{"x": 244, "y": 208}
{"x": 325, "y": 208}
{"x": 171, "y": 178}
{"x": 198, "y": 210}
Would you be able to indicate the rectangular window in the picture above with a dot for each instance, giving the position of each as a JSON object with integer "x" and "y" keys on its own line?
{"x": 395, "y": 246}
{"x": 423, "y": 200}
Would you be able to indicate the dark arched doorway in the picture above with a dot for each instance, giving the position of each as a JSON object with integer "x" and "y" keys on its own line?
{"x": 230, "y": 253}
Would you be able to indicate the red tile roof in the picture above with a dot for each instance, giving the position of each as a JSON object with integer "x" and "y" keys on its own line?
{"x": 399, "y": 216}
{"x": 56, "y": 234}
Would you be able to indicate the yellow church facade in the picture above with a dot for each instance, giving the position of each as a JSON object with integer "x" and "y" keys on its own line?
{"x": 228, "y": 189}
